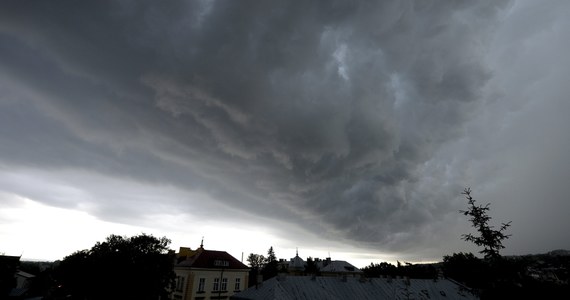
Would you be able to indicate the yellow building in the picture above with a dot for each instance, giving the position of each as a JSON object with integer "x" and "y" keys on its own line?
{"x": 207, "y": 274}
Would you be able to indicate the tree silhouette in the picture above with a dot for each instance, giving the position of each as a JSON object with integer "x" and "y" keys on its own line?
{"x": 255, "y": 260}
{"x": 271, "y": 265}
{"x": 311, "y": 267}
{"x": 139, "y": 267}
{"x": 489, "y": 238}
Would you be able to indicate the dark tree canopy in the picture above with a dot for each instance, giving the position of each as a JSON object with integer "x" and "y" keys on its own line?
{"x": 138, "y": 267}
{"x": 256, "y": 261}
{"x": 466, "y": 268}
{"x": 311, "y": 268}
{"x": 271, "y": 265}
{"x": 488, "y": 237}
{"x": 417, "y": 271}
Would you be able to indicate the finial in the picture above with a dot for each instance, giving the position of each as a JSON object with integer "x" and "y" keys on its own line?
{"x": 202, "y": 243}
{"x": 297, "y": 251}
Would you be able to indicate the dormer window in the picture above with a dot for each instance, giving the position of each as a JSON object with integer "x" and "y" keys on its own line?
{"x": 221, "y": 263}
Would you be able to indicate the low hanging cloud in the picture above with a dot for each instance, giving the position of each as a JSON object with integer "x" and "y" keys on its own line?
{"x": 349, "y": 120}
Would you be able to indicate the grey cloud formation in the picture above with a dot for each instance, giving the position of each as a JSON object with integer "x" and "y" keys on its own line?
{"x": 358, "y": 121}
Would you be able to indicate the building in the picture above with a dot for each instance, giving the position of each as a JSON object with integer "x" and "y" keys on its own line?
{"x": 296, "y": 266}
{"x": 23, "y": 284}
{"x": 346, "y": 287}
{"x": 330, "y": 267}
{"x": 207, "y": 274}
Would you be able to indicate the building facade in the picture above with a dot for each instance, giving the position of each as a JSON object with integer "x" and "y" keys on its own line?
{"x": 207, "y": 274}
{"x": 296, "y": 266}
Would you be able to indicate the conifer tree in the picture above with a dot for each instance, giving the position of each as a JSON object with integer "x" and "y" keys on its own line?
{"x": 488, "y": 237}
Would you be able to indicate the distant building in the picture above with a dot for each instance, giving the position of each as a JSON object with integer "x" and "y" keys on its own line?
{"x": 23, "y": 284}
{"x": 326, "y": 267}
{"x": 208, "y": 274}
{"x": 330, "y": 267}
{"x": 345, "y": 287}
{"x": 295, "y": 266}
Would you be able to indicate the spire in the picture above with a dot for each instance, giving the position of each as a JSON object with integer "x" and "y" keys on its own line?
{"x": 202, "y": 243}
{"x": 297, "y": 251}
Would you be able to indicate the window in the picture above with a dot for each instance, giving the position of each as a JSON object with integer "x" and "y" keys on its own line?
{"x": 216, "y": 284}
{"x": 224, "y": 284}
{"x": 201, "y": 284}
{"x": 180, "y": 283}
{"x": 238, "y": 283}
{"x": 221, "y": 263}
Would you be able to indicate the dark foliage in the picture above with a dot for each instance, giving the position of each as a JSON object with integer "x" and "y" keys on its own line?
{"x": 8, "y": 267}
{"x": 417, "y": 271}
{"x": 271, "y": 265}
{"x": 489, "y": 238}
{"x": 381, "y": 269}
{"x": 466, "y": 268}
{"x": 256, "y": 262}
{"x": 520, "y": 277}
{"x": 138, "y": 267}
{"x": 311, "y": 267}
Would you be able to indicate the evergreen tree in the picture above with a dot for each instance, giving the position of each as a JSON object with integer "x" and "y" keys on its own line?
{"x": 271, "y": 265}
{"x": 489, "y": 238}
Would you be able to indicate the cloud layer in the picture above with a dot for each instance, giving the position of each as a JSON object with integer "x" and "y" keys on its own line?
{"x": 355, "y": 122}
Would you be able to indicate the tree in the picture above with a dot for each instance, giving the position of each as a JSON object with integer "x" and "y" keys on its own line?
{"x": 256, "y": 261}
{"x": 139, "y": 267}
{"x": 271, "y": 265}
{"x": 489, "y": 238}
{"x": 270, "y": 255}
{"x": 311, "y": 268}
{"x": 466, "y": 268}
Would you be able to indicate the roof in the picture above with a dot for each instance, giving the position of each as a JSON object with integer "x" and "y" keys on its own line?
{"x": 297, "y": 263}
{"x": 212, "y": 259}
{"x": 24, "y": 274}
{"x": 9, "y": 260}
{"x": 333, "y": 288}
{"x": 337, "y": 266}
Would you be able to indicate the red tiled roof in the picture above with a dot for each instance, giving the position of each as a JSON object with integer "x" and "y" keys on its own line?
{"x": 212, "y": 259}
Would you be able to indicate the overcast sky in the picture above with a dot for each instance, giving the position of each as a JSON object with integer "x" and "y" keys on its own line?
{"x": 338, "y": 127}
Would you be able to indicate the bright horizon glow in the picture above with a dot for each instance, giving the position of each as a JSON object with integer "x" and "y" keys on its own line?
{"x": 43, "y": 237}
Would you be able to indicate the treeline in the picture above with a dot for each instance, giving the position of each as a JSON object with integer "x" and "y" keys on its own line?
{"x": 516, "y": 277}
{"x": 138, "y": 267}
{"x": 417, "y": 271}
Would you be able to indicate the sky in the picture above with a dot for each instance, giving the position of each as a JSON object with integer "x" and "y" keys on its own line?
{"x": 339, "y": 128}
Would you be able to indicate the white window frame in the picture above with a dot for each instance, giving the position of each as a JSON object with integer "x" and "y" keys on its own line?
{"x": 201, "y": 284}
{"x": 180, "y": 283}
{"x": 237, "y": 285}
{"x": 224, "y": 286}
{"x": 216, "y": 286}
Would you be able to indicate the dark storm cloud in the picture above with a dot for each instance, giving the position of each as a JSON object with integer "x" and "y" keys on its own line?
{"x": 330, "y": 115}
